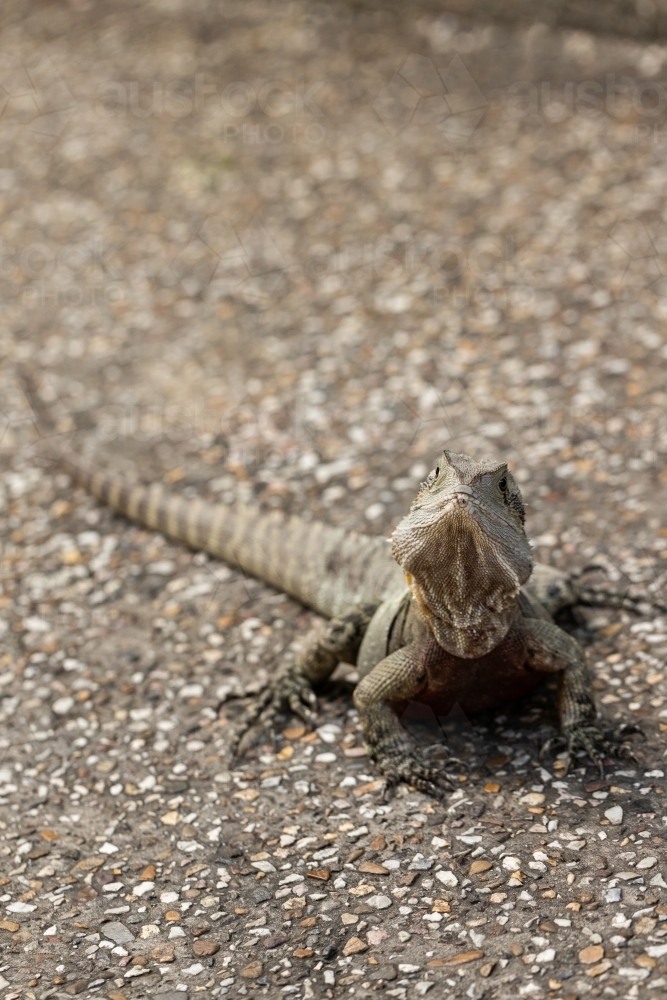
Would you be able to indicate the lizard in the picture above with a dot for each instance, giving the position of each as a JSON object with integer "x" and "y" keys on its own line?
{"x": 453, "y": 610}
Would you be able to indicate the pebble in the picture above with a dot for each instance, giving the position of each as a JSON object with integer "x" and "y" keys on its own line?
{"x": 372, "y": 868}
{"x": 143, "y": 888}
{"x": 203, "y": 948}
{"x": 591, "y": 954}
{"x": 253, "y": 970}
{"x": 378, "y": 902}
{"x": 163, "y": 953}
{"x": 599, "y": 969}
{"x": 460, "y": 958}
{"x": 354, "y": 946}
{"x": 447, "y": 877}
{"x": 479, "y": 866}
{"x": 61, "y": 706}
{"x": 614, "y": 815}
{"x": 117, "y": 932}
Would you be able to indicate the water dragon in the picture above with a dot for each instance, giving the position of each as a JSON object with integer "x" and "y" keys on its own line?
{"x": 453, "y": 611}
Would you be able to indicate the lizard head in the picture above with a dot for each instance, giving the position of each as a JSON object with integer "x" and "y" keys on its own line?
{"x": 465, "y": 553}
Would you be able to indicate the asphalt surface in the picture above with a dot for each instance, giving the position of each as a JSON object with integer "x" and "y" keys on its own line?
{"x": 287, "y": 253}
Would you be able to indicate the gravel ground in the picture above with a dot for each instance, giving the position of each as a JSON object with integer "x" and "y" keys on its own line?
{"x": 288, "y": 252}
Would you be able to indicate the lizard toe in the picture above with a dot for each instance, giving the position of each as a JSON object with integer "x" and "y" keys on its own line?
{"x": 289, "y": 692}
{"x": 455, "y": 762}
{"x": 593, "y": 748}
{"x": 309, "y": 697}
{"x": 598, "y": 744}
{"x": 406, "y": 767}
{"x": 616, "y": 741}
{"x": 421, "y": 784}
{"x": 252, "y": 716}
{"x": 439, "y": 752}
{"x": 292, "y": 692}
{"x": 586, "y": 738}
{"x": 624, "y": 752}
{"x": 440, "y": 761}
{"x": 621, "y": 733}
{"x": 553, "y": 743}
{"x": 427, "y": 787}
{"x": 301, "y": 710}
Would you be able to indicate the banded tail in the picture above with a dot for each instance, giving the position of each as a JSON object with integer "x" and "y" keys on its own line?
{"x": 326, "y": 568}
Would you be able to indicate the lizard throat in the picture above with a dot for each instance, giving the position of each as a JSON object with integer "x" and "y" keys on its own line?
{"x": 468, "y": 633}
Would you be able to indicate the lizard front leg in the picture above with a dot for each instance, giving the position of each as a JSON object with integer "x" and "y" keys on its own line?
{"x": 552, "y": 650}
{"x": 398, "y": 677}
{"x": 292, "y": 690}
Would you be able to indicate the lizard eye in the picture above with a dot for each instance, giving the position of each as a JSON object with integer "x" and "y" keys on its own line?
{"x": 432, "y": 476}
{"x": 502, "y": 485}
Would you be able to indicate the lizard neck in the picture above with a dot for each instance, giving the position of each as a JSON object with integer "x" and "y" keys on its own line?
{"x": 467, "y": 631}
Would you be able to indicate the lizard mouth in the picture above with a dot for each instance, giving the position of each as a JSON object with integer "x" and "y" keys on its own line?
{"x": 463, "y": 499}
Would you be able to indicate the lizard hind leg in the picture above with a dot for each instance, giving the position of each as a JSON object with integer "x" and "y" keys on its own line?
{"x": 597, "y": 595}
{"x": 553, "y": 651}
{"x": 292, "y": 690}
{"x": 581, "y": 729}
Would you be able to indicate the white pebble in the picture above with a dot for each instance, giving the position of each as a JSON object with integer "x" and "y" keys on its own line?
{"x": 191, "y": 691}
{"x": 379, "y": 902}
{"x": 614, "y": 815}
{"x": 62, "y": 706}
{"x": 143, "y": 888}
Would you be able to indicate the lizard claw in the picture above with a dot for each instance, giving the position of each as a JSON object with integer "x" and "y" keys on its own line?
{"x": 299, "y": 705}
{"x": 403, "y": 765}
{"x": 438, "y": 751}
{"x": 618, "y": 738}
{"x": 290, "y": 691}
{"x": 596, "y": 743}
{"x": 553, "y": 743}
{"x": 624, "y": 730}
{"x": 456, "y": 761}
{"x": 251, "y": 717}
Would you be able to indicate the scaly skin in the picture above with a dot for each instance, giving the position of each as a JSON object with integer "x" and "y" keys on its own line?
{"x": 473, "y": 627}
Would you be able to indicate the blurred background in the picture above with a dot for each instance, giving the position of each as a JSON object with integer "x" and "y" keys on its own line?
{"x": 292, "y": 250}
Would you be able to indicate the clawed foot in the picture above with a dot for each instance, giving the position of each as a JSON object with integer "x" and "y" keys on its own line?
{"x": 290, "y": 691}
{"x": 598, "y": 596}
{"x": 591, "y": 739}
{"x": 404, "y": 765}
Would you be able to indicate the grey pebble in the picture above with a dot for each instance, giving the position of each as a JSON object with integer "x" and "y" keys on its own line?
{"x": 117, "y": 932}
